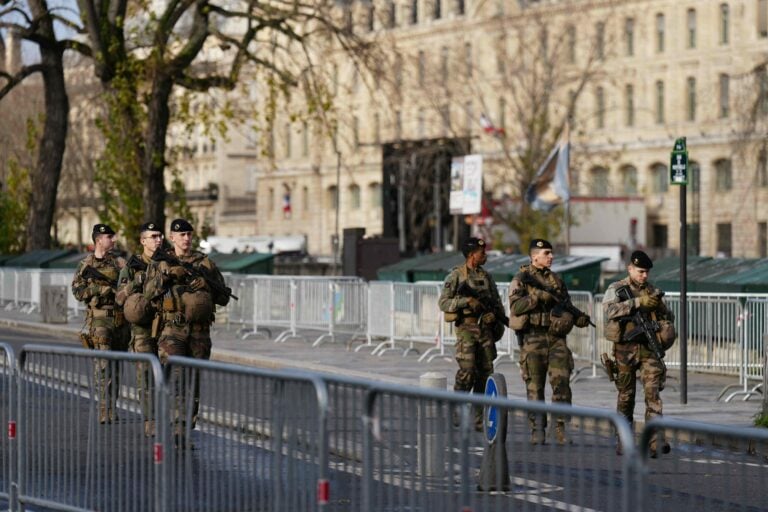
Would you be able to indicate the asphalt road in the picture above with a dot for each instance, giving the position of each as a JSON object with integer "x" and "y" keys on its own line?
{"x": 232, "y": 462}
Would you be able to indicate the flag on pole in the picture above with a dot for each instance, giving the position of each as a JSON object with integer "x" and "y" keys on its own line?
{"x": 287, "y": 203}
{"x": 549, "y": 187}
{"x": 489, "y": 128}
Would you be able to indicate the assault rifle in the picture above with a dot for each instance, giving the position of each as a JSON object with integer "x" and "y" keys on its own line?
{"x": 563, "y": 302}
{"x": 194, "y": 272}
{"x": 645, "y": 326}
{"x": 137, "y": 264}
{"x": 92, "y": 273}
{"x": 467, "y": 291}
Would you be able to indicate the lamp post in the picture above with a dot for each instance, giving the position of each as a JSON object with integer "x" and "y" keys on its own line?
{"x": 338, "y": 206}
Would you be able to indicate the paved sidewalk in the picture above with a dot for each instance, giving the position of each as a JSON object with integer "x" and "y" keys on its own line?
{"x": 340, "y": 357}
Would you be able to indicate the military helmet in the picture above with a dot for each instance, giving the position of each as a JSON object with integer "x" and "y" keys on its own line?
{"x": 198, "y": 306}
{"x": 471, "y": 245}
{"x": 137, "y": 309}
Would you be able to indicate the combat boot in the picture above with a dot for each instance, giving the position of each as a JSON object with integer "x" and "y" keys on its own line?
{"x": 149, "y": 428}
{"x": 538, "y": 436}
{"x": 560, "y": 434}
{"x": 653, "y": 448}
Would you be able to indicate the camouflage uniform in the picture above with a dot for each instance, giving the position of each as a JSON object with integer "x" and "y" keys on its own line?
{"x": 105, "y": 323}
{"x": 177, "y": 336}
{"x": 131, "y": 280}
{"x": 634, "y": 356}
{"x": 475, "y": 345}
{"x": 540, "y": 351}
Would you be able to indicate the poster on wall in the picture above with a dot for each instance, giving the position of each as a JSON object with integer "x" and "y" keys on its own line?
{"x": 473, "y": 184}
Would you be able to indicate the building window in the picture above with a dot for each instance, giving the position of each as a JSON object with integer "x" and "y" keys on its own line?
{"x": 691, "y": 98}
{"x": 391, "y": 14}
{"x": 599, "y": 182}
{"x": 659, "y": 33}
{"x": 600, "y": 107}
{"x": 572, "y": 44}
{"x": 354, "y": 197}
{"x": 437, "y": 13}
{"x": 723, "y": 175}
{"x": 762, "y": 18}
{"x": 724, "y": 96}
{"x": 414, "y": 12}
{"x": 288, "y": 149}
{"x": 762, "y": 239}
{"x": 356, "y": 132}
{"x": 305, "y": 198}
{"x": 421, "y": 68}
{"x": 543, "y": 42}
{"x": 460, "y": 7}
{"x": 270, "y": 201}
{"x": 304, "y": 139}
{"x": 331, "y": 197}
{"x": 572, "y": 105}
{"x": 370, "y": 17}
{"x": 694, "y": 246}
{"x": 694, "y": 176}
{"x": 468, "y": 117}
{"x": 724, "y": 23}
{"x": 629, "y": 180}
{"x": 502, "y": 125}
{"x": 600, "y": 40}
{"x": 629, "y": 36}
{"x": 420, "y": 124}
{"x": 398, "y": 73}
{"x": 761, "y": 75}
{"x": 762, "y": 167}
{"x": 445, "y": 119}
{"x": 629, "y": 104}
{"x": 377, "y": 128}
{"x": 398, "y": 125}
{"x": 374, "y": 193}
{"x": 659, "y": 102}
{"x": 444, "y": 65}
{"x": 691, "y": 28}
{"x": 468, "y": 59}
{"x": 659, "y": 233}
{"x": 724, "y": 240}
{"x": 659, "y": 178}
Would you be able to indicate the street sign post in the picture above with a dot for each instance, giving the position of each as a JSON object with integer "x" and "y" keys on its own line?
{"x": 678, "y": 175}
{"x": 494, "y": 470}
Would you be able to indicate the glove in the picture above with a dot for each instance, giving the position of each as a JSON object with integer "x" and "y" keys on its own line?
{"x": 582, "y": 321}
{"x": 474, "y": 304}
{"x": 197, "y": 284}
{"x": 488, "y": 318}
{"x": 648, "y": 302}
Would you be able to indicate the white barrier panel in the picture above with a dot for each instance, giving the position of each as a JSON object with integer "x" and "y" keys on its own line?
{"x": 381, "y": 314}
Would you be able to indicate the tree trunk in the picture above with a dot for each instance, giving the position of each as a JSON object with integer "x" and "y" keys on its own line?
{"x": 44, "y": 180}
{"x": 158, "y": 115}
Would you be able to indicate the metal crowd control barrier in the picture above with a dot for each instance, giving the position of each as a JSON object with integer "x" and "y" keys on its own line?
{"x": 420, "y": 453}
{"x": 8, "y": 421}
{"x": 710, "y": 467}
{"x": 381, "y": 315}
{"x": 261, "y": 448}
{"x": 71, "y": 457}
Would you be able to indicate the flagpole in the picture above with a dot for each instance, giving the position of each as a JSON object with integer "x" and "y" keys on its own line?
{"x": 568, "y": 202}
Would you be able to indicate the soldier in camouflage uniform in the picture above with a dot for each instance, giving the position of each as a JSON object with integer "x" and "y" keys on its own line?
{"x": 177, "y": 290}
{"x": 95, "y": 284}
{"x": 541, "y": 330}
{"x": 634, "y": 356}
{"x": 476, "y": 309}
{"x": 131, "y": 280}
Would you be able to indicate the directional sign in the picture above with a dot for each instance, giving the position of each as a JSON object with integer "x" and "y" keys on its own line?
{"x": 494, "y": 420}
{"x": 678, "y": 164}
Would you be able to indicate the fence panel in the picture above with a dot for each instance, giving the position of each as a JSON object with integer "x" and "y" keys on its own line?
{"x": 7, "y": 421}
{"x": 421, "y": 454}
{"x": 709, "y": 467}
{"x": 261, "y": 448}
{"x": 71, "y": 455}
{"x": 380, "y": 321}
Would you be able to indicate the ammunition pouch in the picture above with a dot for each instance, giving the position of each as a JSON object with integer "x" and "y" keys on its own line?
{"x": 519, "y": 322}
{"x": 450, "y": 317}
{"x": 102, "y": 313}
{"x": 560, "y": 323}
{"x": 138, "y": 310}
{"x": 610, "y": 367}
{"x": 612, "y": 331}
{"x": 667, "y": 334}
{"x": 539, "y": 318}
{"x": 198, "y": 306}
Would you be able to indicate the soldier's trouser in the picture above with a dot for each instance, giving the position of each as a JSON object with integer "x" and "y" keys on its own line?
{"x": 631, "y": 357}
{"x": 106, "y": 336}
{"x": 475, "y": 353}
{"x": 540, "y": 354}
{"x": 143, "y": 343}
{"x": 189, "y": 340}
